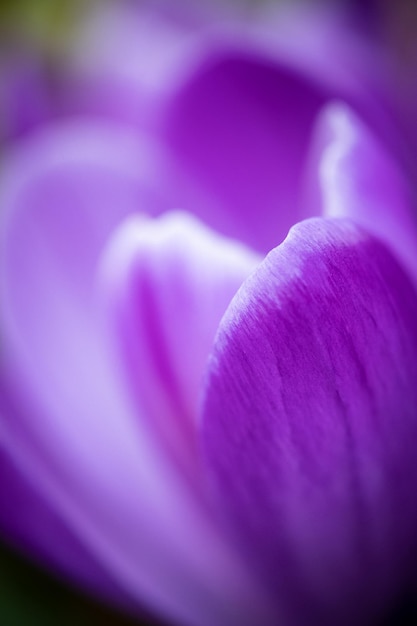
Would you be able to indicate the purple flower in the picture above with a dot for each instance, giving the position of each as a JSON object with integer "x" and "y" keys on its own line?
{"x": 197, "y": 416}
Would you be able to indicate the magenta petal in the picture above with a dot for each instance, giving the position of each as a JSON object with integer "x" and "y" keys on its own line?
{"x": 310, "y": 422}
{"x": 167, "y": 284}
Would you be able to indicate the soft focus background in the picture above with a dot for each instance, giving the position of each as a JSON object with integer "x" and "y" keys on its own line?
{"x": 35, "y": 38}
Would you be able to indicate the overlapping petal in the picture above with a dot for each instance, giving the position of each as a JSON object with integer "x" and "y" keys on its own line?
{"x": 39, "y": 532}
{"x": 355, "y": 176}
{"x": 233, "y": 95}
{"x": 246, "y": 112}
{"x": 309, "y": 419}
{"x": 167, "y": 284}
{"x": 242, "y": 118}
{"x": 310, "y": 422}
{"x": 73, "y": 432}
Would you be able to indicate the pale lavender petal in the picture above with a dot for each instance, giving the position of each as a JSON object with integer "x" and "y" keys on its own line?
{"x": 354, "y": 176}
{"x": 167, "y": 283}
{"x": 125, "y": 62}
{"x": 74, "y": 433}
{"x": 84, "y": 178}
{"x": 310, "y": 423}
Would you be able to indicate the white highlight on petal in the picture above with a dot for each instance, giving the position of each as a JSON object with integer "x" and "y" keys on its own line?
{"x": 360, "y": 179}
{"x": 167, "y": 283}
{"x": 333, "y": 156}
{"x": 139, "y": 231}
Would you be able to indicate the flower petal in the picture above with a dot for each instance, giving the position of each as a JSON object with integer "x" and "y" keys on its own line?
{"x": 357, "y": 178}
{"x": 168, "y": 282}
{"x": 246, "y": 112}
{"x": 73, "y": 433}
{"x": 243, "y": 118}
{"x": 46, "y": 537}
{"x": 83, "y": 179}
{"x": 125, "y": 61}
{"x": 310, "y": 422}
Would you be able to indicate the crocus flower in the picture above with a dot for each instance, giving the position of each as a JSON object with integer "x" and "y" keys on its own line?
{"x": 199, "y": 413}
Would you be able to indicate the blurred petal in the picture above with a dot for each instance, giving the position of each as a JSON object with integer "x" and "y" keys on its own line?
{"x": 242, "y": 118}
{"x": 310, "y": 422}
{"x": 46, "y": 530}
{"x": 83, "y": 178}
{"x": 357, "y": 178}
{"x": 125, "y": 60}
{"x": 24, "y": 97}
{"x": 73, "y": 432}
{"x": 233, "y": 94}
{"x": 242, "y": 126}
{"x": 168, "y": 282}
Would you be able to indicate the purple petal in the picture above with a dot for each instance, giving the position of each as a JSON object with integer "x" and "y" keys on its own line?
{"x": 124, "y": 63}
{"x": 357, "y": 178}
{"x": 310, "y": 423}
{"x": 83, "y": 178}
{"x": 242, "y": 120}
{"x": 46, "y": 530}
{"x": 246, "y": 119}
{"x": 72, "y": 432}
{"x": 168, "y": 283}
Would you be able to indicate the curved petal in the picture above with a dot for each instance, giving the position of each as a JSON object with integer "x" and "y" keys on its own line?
{"x": 242, "y": 118}
{"x": 242, "y": 125}
{"x": 310, "y": 422}
{"x": 73, "y": 432}
{"x": 168, "y": 282}
{"x": 46, "y": 530}
{"x": 355, "y": 177}
{"x": 234, "y": 95}
{"x": 125, "y": 61}
{"x": 83, "y": 178}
